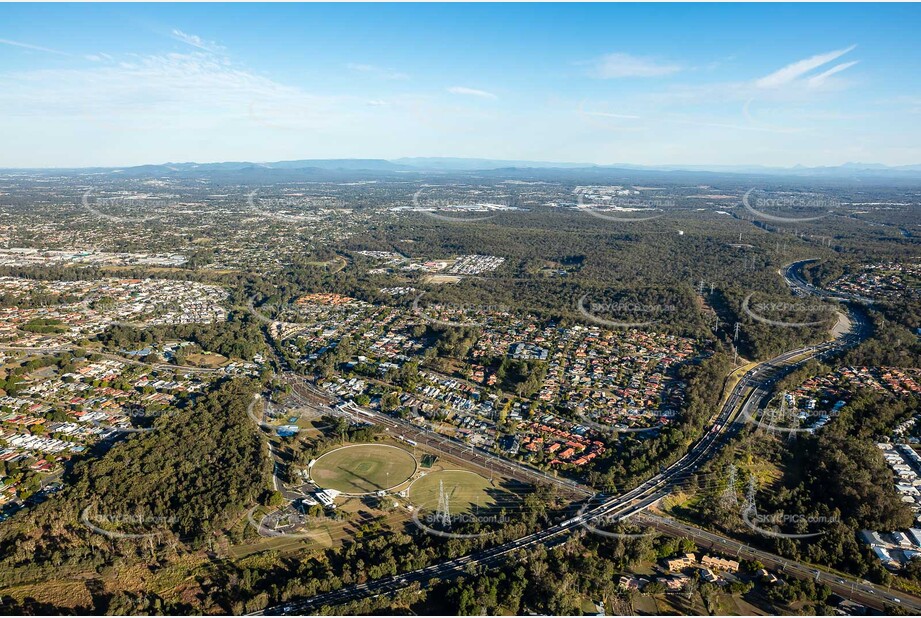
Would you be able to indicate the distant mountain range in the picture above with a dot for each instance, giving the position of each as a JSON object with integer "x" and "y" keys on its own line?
{"x": 455, "y": 164}
{"x": 491, "y": 166}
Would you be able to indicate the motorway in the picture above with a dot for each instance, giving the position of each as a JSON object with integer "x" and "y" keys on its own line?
{"x": 792, "y": 274}
{"x": 749, "y": 393}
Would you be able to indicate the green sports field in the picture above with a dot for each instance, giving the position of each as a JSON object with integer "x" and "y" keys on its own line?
{"x": 363, "y": 468}
{"x": 465, "y": 489}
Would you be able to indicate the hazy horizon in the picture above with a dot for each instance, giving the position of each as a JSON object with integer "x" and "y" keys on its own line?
{"x": 780, "y": 86}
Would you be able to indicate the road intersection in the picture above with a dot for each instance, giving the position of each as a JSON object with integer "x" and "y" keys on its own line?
{"x": 750, "y": 393}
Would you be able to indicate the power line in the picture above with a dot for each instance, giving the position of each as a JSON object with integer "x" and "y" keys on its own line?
{"x": 729, "y": 497}
{"x": 443, "y": 514}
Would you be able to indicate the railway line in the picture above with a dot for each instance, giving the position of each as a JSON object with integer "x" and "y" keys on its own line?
{"x": 750, "y": 393}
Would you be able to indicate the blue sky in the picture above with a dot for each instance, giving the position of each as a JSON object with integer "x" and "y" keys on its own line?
{"x": 124, "y": 84}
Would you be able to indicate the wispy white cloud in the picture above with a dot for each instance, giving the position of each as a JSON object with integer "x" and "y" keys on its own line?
{"x": 100, "y": 57}
{"x": 733, "y": 125}
{"x": 197, "y": 41}
{"x": 821, "y": 78}
{"x": 610, "y": 115}
{"x": 381, "y": 72}
{"x": 473, "y": 92}
{"x": 47, "y": 50}
{"x": 151, "y": 90}
{"x": 795, "y": 70}
{"x": 619, "y": 65}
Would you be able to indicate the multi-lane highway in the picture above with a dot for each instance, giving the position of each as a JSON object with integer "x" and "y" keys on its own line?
{"x": 792, "y": 273}
{"x": 619, "y": 506}
{"x": 749, "y": 393}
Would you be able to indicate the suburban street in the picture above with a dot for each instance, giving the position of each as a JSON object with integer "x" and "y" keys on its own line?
{"x": 310, "y": 308}
{"x": 749, "y": 394}
{"x": 437, "y": 443}
{"x": 109, "y": 356}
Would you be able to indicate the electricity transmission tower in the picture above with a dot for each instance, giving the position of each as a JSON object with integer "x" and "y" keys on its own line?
{"x": 729, "y": 497}
{"x": 443, "y": 514}
{"x": 750, "y": 506}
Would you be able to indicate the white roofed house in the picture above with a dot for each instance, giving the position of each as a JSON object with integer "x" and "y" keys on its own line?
{"x": 907, "y": 489}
